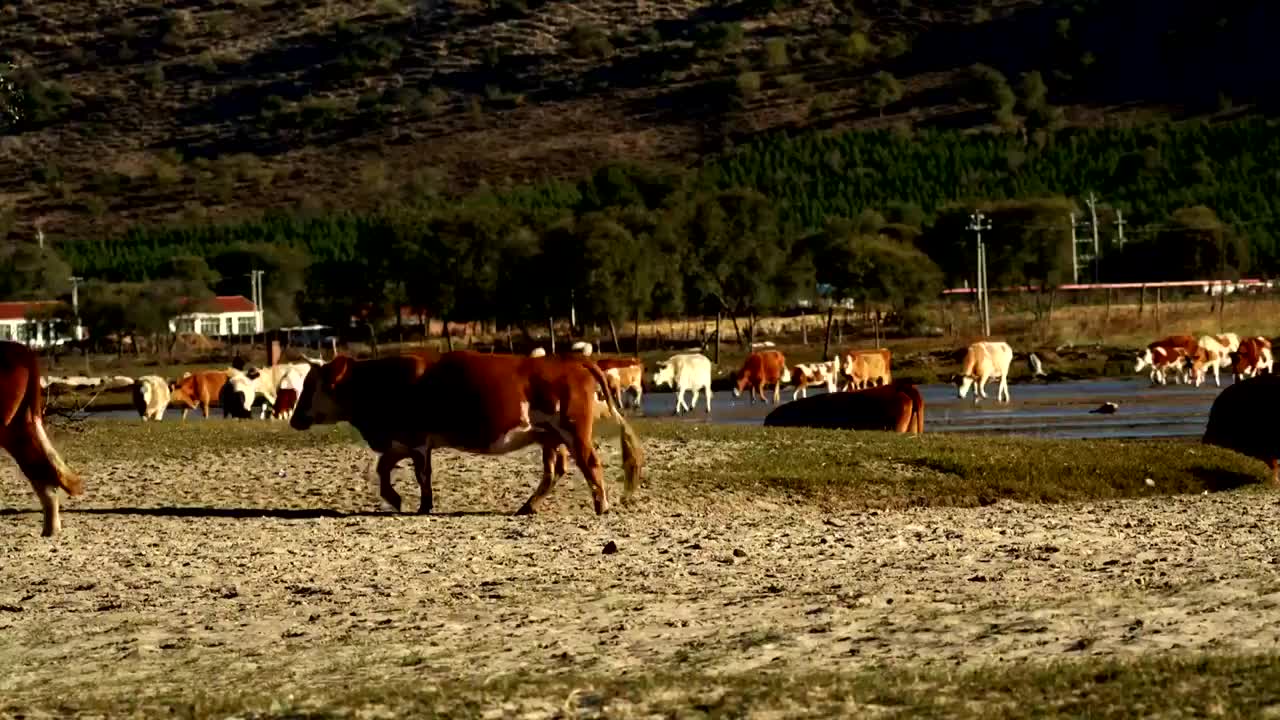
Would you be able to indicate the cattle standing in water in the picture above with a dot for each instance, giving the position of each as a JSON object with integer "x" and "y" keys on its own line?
{"x": 686, "y": 372}
{"x": 151, "y": 397}
{"x": 23, "y": 436}
{"x": 624, "y": 374}
{"x": 866, "y": 368}
{"x": 897, "y": 407}
{"x": 1253, "y": 357}
{"x": 480, "y": 403}
{"x": 1165, "y": 355}
{"x": 200, "y": 388}
{"x": 768, "y": 367}
{"x": 1238, "y": 420}
{"x": 807, "y": 374}
{"x": 1213, "y": 352}
{"x": 983, "y": 362}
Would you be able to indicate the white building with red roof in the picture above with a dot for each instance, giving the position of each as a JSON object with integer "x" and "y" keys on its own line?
{"x": 30, "y": 321}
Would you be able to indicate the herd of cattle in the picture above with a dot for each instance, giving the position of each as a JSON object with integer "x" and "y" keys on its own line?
{"x": 496, "y": 403}
{"x": 1189, "y": 360}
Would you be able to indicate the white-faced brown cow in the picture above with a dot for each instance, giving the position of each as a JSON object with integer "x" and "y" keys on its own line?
{"x": 985, "y": 361}
{"x": 1167, "y": 355}
{"x": 481, "y": 403}
{"x": 1253, "y": 357}
{"x": 22, "y": 432}
{"x": 805, "y": 375}
{"x": 624, "y": 374}
{"x": 866, "y": 368}
{"x": 1213, "y": 352}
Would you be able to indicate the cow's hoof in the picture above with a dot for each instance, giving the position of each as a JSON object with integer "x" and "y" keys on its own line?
{"x": 526, "y": 509}
{"x": 424, "y": 509}
{"x": 393, "y": 503}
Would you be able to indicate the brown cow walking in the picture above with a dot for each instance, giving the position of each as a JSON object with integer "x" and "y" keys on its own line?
{"x": 480, "y": 403}
{"x": 768, "y": 367}
{"x": 198, "y": 389}
{"x": 22, "y": 432}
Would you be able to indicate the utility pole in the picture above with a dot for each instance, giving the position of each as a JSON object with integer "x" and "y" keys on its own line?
{"x": 1093, "y": 214}
{"x": 977, "y": 225}
{"x": 75, "y": 304}
{"x": 255, "y": 289}
{"x": 1075, "y": 261}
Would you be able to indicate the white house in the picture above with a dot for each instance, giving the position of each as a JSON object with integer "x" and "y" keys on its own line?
{"x": 16, "y": 323}
{"x": 229, "y": 315}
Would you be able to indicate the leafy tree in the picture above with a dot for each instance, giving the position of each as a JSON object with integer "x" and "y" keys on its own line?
{"x": 884, "y": 89}
{"x": 28, "y": 271}
{"x": 1198, "y": 244}
{"x": 11, "y": 98}
{"x": 738, "y": 255}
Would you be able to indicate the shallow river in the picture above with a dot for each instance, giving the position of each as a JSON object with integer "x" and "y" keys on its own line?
{"x": 1057, "y": 410}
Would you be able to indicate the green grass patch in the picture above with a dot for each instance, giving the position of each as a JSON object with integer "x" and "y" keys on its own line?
{"x": 1170, "y": 686}
{"x": 887, "y": 470}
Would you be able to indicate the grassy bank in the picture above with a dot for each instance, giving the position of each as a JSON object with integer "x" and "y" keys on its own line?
{"x": 832, "y": 469}
{"x": 843, "y": 469}
{"x": 1171, "y": 686}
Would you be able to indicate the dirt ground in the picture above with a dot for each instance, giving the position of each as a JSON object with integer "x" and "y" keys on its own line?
{"x": 276, "y": 571}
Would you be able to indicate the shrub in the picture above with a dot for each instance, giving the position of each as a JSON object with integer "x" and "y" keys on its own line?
{"x": 884, "y": 89}
{"x": 748, "y": 84}
{"x": 720, "y": 37}
{"x": 775, "y": 53}
{"x": 154, "y": 77}
{"x": 589, "y": 41}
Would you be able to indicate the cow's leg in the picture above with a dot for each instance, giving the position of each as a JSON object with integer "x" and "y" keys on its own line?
{"x": 553, "y": 459}
{"x": 707, "y": 392}
{"x": 1216, "y": 381}
{"x": 680, "y": 399}
{"x": 422, "y": 469}
{"x": 49, "y": 503}
{"x": 1004, "y": 388}
{"x": 1275, "y": 471}
{"x": 904, "y": 413}
{"x": 385, "y": 464}
{"x": 585, "y": 456}
{"x": 777, "y": 391}
{"x": 639, "y": 397}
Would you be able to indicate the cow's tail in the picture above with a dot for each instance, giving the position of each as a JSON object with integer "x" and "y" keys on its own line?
{"x": 47, "y": 467}
{"x": 632, "y": 457}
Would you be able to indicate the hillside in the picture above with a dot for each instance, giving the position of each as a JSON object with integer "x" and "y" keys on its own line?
{"x": 194, "y": 109}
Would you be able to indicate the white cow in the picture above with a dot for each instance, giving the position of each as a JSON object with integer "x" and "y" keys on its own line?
{"x": 538, "y": 352}
{"x": 686, "y": 371}
{"x": 986, "y": 361}
{"x": 1213, "y": 352}
{"x": 151, "y": 397}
